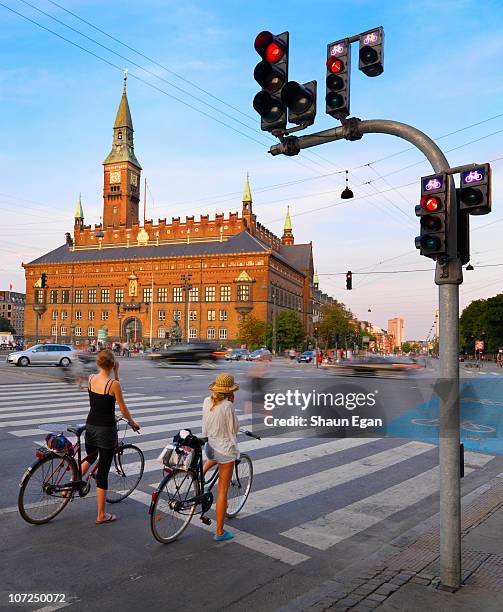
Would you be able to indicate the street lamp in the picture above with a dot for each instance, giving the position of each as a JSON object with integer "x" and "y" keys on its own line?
{"x": 185, "y": 278}
{"x": 119, "y": 319}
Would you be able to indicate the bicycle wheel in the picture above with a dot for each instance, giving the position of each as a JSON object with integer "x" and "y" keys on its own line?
{"x": 36, "y": 503}
{"x": 125, "y": 473}
{"x": 166, "y": 522}
{"x": 240, "y": 485}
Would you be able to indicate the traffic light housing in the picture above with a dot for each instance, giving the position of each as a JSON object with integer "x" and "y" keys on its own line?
{"x": 463, "y": 234}
{"x": 349, "y": 280}
{"x": 300, "y": 101}
{"x": 474, "y": 195}
{"x": 371, "y": 54}
{"x": 432, "y": 211}
{"x": 272, "y": 75}
{"x": 43, "y": 279}
{"x": 338, "y": 78}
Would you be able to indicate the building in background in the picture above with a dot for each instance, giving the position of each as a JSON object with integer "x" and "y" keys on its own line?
{"x": 12, "y": 309}
{"x": 128, "y": 279}
{"x": 396, "y": 328}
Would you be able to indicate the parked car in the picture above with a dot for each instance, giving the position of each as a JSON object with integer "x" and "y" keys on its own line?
{"x": 260, "y": 355}
{"x": 306, "y": 357}
{"x": 43, "y": 354}
{"x": 237, "y": 355}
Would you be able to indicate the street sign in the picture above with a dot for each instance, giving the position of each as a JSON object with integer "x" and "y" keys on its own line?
{"x": 102, "y": 334}
{"x": 479, "y": 345}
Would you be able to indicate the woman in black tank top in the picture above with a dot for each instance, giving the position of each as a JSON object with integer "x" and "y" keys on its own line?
{"x": 101, "y": 430}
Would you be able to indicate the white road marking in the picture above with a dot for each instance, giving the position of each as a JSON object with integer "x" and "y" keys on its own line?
{"x": 59, "y": 400}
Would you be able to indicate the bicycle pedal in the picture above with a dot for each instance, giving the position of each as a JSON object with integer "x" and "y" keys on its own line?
{"x": 206, "y": 520}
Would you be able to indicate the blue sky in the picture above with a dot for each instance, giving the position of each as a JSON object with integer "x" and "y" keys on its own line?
{"x": 442, "y": 74}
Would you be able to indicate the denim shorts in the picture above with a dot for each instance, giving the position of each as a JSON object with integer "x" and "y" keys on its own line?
{"x": 214, "y": 455}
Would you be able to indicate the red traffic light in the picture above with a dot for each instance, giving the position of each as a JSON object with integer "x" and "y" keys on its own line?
{"x": 335, "y": 65}
{"x": 431, "y": 203}
{"x": 269, "y": 47}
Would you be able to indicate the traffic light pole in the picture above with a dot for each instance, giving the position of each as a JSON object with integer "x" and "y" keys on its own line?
{"x": 448, "y": 276}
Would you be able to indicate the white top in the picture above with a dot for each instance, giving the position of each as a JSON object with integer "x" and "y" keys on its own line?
{"x": 220, "y": 426}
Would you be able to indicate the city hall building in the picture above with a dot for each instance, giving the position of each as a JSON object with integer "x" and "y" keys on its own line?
{"x": 125, "y": 281}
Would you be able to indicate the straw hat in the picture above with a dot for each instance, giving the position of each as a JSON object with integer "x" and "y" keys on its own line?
{"x": 224, "y": 383}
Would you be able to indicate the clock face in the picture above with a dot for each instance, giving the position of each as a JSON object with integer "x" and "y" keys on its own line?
{"x": 134, "y": 179}
{"x": 115, "y": 177}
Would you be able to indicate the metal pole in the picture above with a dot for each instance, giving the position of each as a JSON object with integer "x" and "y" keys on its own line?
{"x": 273, "y": 322}
{"x": 36, "y": 327}
{"x": 448, "y": 276}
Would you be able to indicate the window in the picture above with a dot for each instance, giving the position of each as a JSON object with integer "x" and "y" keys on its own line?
{"x": 161, "y": 332}
{"x": 79, "y": 296}
{"x": 90, "y": 331}
{"x": 194, "y": 294}
{"x": 65, "y": 296}
{"x": 211, "y": 333}
{"x": 162, "y": 315}
{"x": 192, "y": 315}
{"x": 222, "y": 333}
{"x": 90, "y": 315}
{"x": 78, "y": 314}
{"x": 177, "y": 294}
{"x": 54, "y": 315}
{"x": 211, "y": 315}
{"x": 39, "y": 296}
{"x": 243, "y": 293}
{"x": 119, "y": 296}
{"x": 104, "y": 315}
{"x": 91, "y": 296}
{"x": 78, "y": 331}
{"x": 105, "y": 296}
{"x": 54, "y": 296}
{"x": 64, "y": 315}
{"x": 192, "y": 332}
{"x": 209, "y": 294}
{"x": 162, "y": 294}
{"x": 147, "y": 295}
{"x": 225, "y": 293}
{"x": 63, "y": 331}
{"x": 223, "y": 315}
{"x": 177, "y": 315}
{"x": 54, "y": 330}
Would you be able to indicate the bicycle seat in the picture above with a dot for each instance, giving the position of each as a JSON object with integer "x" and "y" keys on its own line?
{"x": 76, "y": 429}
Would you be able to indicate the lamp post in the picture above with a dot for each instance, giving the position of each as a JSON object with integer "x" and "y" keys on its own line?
{"x": 185, "y": 278}
{"x": 273, "y": 321}
{"x": 119, "y": 320}
{"x": 39, "y": 309}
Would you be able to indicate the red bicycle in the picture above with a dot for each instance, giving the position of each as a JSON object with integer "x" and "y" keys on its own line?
{"x": 55, "y": 478}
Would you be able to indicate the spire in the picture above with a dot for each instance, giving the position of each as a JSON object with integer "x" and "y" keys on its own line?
{"x": 123, "y": 118}
{"x": 288, "y": 221}
{"x": 316, "y": 282}
{"x": 247, "y": 197}
{"x": 79, "y": 213}
{"x": 287, "y": 238}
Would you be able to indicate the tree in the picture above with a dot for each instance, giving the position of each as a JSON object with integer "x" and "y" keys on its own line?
{"x": 336, "y": 319}
{"x": 251, "y": 331}
{"x": 5, "y": 326}
{"x": 289, "y": 330}
{"x": 406, "y": 347}
{"x": 482, "y": 320}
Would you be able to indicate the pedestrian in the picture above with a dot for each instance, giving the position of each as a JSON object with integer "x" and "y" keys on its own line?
{"x": 220, "y": 426}
{"x": 101, "y": 428}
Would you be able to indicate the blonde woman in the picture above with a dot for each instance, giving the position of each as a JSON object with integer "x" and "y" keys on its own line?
{"x": 220, "y": 426}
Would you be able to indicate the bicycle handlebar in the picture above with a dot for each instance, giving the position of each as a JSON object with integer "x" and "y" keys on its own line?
{"x": 247, "y": 432}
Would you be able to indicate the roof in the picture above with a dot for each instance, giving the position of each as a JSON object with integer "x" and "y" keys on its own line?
{"x": 240, "y": 243}
{"x": 123, "y": 117}
{"x": 299, "y": 256}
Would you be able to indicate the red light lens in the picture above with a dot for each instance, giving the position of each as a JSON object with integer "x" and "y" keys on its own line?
{"x": 335, "y": 65}
{"x": 430, "y": 203}
{"x": 273, "y": 53}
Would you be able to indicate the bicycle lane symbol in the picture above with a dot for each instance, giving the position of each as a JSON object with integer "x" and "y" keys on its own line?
{"x": 466, "y": 425}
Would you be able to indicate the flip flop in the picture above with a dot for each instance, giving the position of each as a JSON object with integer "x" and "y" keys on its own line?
{"x": 110, "y": 519}
{"x": 226, "y": 535}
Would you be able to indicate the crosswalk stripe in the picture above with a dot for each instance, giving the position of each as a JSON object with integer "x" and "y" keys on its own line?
{"x": 67, "y": 389}
{"x": 63, "y": 403}
{"x": 324, "y": 532}
{"x": 248, "y": 540}
{"x": 60, "y": 400}
{"x": 289, "y": 491}
{"x": 7, "y": 387}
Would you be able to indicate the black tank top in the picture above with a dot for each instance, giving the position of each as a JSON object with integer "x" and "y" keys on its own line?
{"x": 102, "y": 412}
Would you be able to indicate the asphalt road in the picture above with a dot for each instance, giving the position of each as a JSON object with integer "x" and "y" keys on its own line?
{"x": 317, "y": 505}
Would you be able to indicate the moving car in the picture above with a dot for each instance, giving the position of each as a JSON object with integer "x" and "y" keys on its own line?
{"x": 375, "y": 364}
{"x": 306, "y": 357}
{"x": 186, "y": 353}
{"x": 260, "y": 355}
{"x": 43, "y": 354}
{"x": 237, "y": 355}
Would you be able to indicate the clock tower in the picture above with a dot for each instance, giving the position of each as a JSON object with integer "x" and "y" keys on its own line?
{"x": 121, "y": 188}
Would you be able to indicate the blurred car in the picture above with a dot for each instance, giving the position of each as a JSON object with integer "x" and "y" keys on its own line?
{"x": 43, "y": 354}
{"x": 185, "y": 353}
{"x": 237, "y": 355}
{"x": 260, "y": 355}
{"x": 306, "y": 357}
{"x": 374, "y": 364}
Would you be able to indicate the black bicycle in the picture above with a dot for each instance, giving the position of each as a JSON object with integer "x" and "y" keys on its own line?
{"x": 53, "y": 480}
{"x": 185, "y": 490}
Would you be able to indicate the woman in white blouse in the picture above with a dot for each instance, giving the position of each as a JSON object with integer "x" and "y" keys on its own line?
{"x": 220, "y": 426}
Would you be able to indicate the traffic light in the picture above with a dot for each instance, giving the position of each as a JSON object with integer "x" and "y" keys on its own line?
{"x": 300, "y": 101}
{"x": 338, "y": 76}
{"x": 432, "y": 211}
{"x": 272, "y": 75}
{"x": 474, "y": 195}
{"x": 371, "y": 56}
{"x": 349, "y": 280}
{"x": 43, "y": 278}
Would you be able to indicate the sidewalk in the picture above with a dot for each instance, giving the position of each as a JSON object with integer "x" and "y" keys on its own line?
{"x": 408, "y": 579}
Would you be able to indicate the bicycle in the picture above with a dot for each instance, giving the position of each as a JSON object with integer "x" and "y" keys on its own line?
{"x": 45, "y": 489}
{"x": 183, "y": 489}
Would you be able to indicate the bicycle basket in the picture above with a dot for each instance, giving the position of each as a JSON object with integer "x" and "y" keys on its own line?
{"x": 59, "y": 443}
{"x": 181, "y": 457}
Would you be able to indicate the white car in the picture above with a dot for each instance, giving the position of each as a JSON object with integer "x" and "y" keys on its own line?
{"x": 43, "y": 354}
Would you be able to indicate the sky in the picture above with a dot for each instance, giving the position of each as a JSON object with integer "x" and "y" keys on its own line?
{"x": 442, "y": 74}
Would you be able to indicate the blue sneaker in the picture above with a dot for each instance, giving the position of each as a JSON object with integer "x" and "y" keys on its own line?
{"x": 226, "y": 535}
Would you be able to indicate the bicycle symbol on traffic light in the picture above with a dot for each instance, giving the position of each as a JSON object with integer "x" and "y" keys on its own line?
{"x": 434, "y": 183}
{"x": 370, "y": 38}
{"x": 474, "y": 176}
